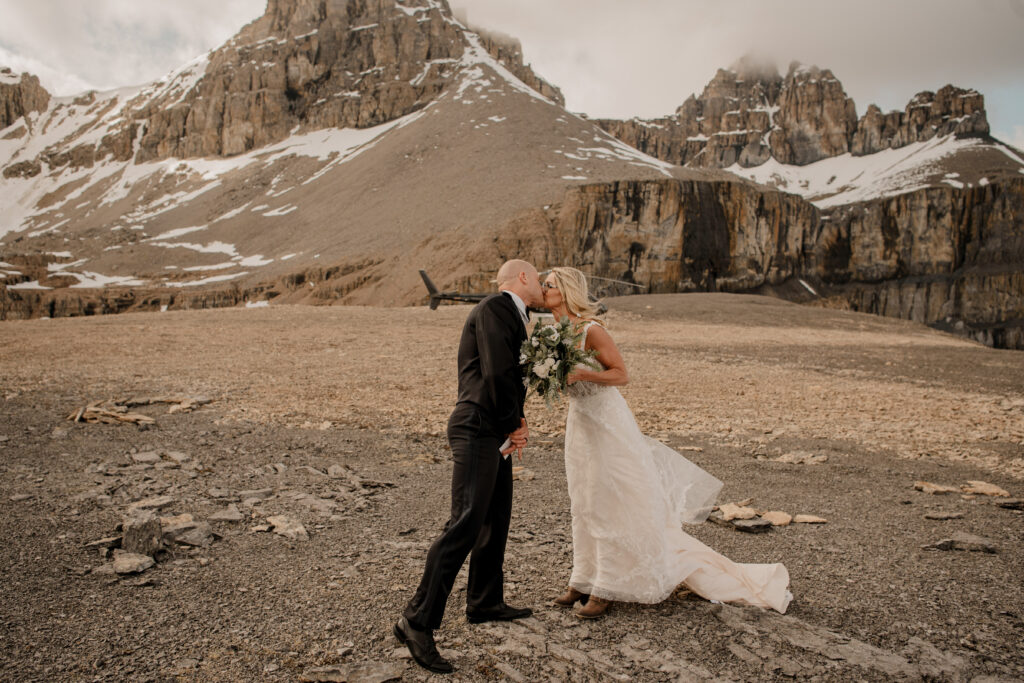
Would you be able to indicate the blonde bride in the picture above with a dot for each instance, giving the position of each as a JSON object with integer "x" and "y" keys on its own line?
{"x": 630, "y": 494}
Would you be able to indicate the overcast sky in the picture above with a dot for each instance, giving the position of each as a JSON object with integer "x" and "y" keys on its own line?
{"x": 611, "y": 58}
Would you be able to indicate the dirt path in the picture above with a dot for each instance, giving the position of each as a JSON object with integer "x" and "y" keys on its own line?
{"x": 733, "y": 382}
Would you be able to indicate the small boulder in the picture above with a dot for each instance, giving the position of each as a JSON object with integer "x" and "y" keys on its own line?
{"x": 1011, "y": 503}
{"x": 288, "y": 527}
{"x": 147, "y": 457}
{"x": 178, "y": 456}
{"x": 131, "y": 563}
{"x": 141, "y": 532}
{"x": 965, "y": 542}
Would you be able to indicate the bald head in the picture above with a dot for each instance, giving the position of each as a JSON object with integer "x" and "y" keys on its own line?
{"x": 511, "y": 270}
{"x": 520, "y": 277}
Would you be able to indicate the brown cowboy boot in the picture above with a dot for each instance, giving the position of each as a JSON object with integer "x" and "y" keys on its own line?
{"x": 570, "y": 597}
{"x": 594, "y": 609}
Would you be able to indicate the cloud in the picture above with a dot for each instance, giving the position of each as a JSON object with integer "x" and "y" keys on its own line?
{"x": 111, "y": 43}
{"x": 1016, "y": 138}
{"x": 53, "y": 80}
{"x": 611, "y": 58}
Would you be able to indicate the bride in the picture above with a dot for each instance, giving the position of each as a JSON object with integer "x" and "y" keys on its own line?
{"x": 629, "y": 493}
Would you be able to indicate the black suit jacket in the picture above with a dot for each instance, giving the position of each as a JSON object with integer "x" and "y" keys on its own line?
{"x": 489, "y": 372}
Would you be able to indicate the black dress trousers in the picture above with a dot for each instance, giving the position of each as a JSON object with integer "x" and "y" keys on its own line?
{"x": 478, "y": 526}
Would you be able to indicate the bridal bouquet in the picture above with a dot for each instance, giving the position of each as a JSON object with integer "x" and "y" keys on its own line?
{"x": 550, "y": 354}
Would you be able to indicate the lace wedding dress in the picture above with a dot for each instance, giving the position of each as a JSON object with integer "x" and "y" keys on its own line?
{"x": 629, "y": 496}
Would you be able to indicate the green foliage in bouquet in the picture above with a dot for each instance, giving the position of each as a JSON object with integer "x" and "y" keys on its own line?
{"x": 550, "y": 354}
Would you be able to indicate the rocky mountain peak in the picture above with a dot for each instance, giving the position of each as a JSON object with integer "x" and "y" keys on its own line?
{"x": 20, "y": 95}
{"x": 950, "y": 111}
{"x": 304, "y": 65}
{"x": 748, "y": 114}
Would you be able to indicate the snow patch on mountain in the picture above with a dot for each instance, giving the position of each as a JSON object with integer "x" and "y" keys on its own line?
{"x": 847, "y": 179}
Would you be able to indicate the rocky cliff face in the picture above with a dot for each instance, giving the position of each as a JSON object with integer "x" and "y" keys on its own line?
{"x": 20, "y": 96}
{"x": 949, "y": 111}
{"x": 952, "y": 257}
{"x": 749, "y": 114}
{"x": 313, "y": 63}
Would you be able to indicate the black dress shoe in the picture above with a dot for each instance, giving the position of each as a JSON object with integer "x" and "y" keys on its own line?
{"x": 421, "y": 647}
{"x": 500, "y": 612}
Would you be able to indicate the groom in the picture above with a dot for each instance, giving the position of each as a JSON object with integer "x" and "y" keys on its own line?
{"x": 486, "y": 426}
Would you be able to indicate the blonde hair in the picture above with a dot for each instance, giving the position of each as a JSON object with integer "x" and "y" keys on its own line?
{"x": 575, "y": 293}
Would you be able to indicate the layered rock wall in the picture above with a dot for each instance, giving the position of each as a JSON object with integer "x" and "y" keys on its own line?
{"x": 946, "y": 256}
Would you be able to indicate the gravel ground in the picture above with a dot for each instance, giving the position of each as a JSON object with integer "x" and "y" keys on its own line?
{"x": 334, "y": 417}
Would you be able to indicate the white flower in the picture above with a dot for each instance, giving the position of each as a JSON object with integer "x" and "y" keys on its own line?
{"x": 535, "y": 343}
{"x": 541, "y": 371}
{"x": 549, "y": 362}
{"x": 522, "y": 358}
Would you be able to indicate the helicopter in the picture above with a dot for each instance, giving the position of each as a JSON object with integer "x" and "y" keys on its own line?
{"x": 437, "y": 296}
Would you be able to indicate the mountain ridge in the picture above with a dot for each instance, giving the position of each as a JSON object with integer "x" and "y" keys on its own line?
{"x": 331, "y": 150}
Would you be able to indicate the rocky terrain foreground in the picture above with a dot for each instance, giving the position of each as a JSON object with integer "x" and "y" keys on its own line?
{"x": 258, "y": 503}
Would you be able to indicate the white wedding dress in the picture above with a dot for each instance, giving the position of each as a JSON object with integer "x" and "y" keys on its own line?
{"x": 629, "y": 496}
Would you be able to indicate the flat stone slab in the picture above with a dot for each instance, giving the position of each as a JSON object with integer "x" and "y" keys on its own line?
{"x": 363, "y": 672}
{"x": 777, "y": 517}
{"x": 944, "y": 515}
{"x": 983, "y": 488}
{"x": 965, "y": 542}
{"x": 752, "y": 526}
{"x": 809, "y": 519}
{"x": 935, "y": 489}
{"x": 131, "y": 563}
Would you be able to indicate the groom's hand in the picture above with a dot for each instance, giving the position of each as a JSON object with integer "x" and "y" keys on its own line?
{"x": 519, "y": 439}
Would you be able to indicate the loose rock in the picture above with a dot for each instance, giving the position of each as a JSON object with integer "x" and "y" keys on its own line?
{"x": 260, "y": 494}
{"x": 752, "y": 526}
{"x": 131, "y": 563}
{"x": 288, "y": 527}
{"x": 982, "y": 488}
{"x": 1011, "y": 503}
{"x": 142, "y": 533}
{"x": 731, "y": 511}
{"x": 802, "y": 458}
{"x": 944, "y": 515}
{"x": 229, "y": 514}
{"x": 934, "y": 489}
{"x": 156, "y": 503}
{"x": 965, "y": 542}
{"x": 809, "y": 519}
{"x": 149, "y": 457}
{"x": 777, "y": 518}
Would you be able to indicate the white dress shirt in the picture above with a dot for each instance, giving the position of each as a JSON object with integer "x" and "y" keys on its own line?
{"x": 519, "y": 305}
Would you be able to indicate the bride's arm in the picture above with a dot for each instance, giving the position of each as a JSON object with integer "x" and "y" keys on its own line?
{"x": 614, "y": 372}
